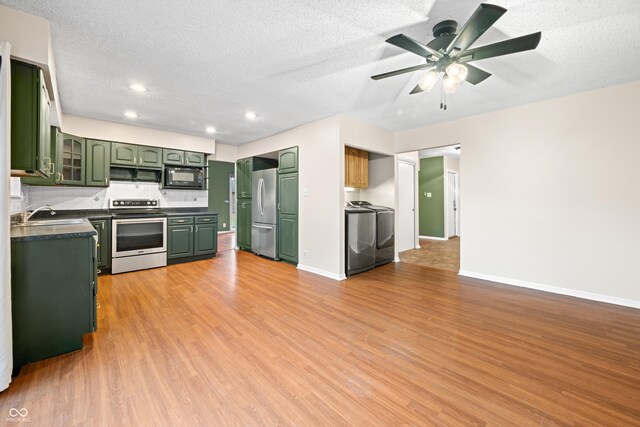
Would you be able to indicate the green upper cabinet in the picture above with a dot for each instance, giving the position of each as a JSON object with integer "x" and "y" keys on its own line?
{"x": 288, "y": 160}
{"x": 183, "y": 158}
{"x": 98, "y": 158}
{"x": 73, "y": 160}
{"x": 172, "y": 157}
{"x": 30, "y": 121}
{"x": 149, "y": 157}
{"x": 124, "y": 154}
{"x": 136, "y": 155}
{"x": 55, "y": 148}
{"x": 244, "y": 172}
{"x": 194, "y": 159}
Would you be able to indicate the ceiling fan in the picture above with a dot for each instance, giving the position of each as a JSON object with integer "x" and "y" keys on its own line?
{"x": 449, "y": 54}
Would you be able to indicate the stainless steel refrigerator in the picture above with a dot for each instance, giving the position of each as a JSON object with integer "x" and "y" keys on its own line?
{"x": 264, "y": 213}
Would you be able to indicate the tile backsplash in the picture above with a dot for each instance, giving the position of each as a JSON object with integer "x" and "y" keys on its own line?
{"x": 64, "y": 198}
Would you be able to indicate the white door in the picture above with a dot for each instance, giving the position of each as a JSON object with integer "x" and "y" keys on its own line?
{"x": 406, "y": 205}
{"x": 452, "y": 204}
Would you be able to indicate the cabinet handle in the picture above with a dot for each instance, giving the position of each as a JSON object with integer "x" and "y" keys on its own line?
{"x": 196, "y": 228}
{"x": 105, "y": 181}
{"x": 191, "y": 228}
{"x": 52, "y": 170}
{"x": 135, "y": 160}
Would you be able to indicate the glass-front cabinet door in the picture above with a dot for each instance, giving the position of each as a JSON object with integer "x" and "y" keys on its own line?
{"x": 73, "y": 160}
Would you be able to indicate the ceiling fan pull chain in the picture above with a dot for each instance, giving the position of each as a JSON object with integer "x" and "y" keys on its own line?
{"x": 441, "y": 96}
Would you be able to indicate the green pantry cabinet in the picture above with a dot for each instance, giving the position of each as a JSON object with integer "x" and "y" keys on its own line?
{"x": 288, "y": 205}
{"x": 53, "y": 296}
{"x": 30, "y": 118}
{"x": 287, "y": 194}
{"x": 191, "y": 237}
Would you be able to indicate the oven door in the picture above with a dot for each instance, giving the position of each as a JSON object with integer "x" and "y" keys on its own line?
{"x": 138, "y": 236}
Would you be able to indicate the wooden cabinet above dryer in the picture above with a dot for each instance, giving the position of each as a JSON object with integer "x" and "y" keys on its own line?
{"x": 356, "y": 168}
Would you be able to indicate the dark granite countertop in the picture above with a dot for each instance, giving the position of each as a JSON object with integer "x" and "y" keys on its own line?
{"x": 48, "y": 232}
{"x": 72, "y": 214}
{"x": 191, "y": 213}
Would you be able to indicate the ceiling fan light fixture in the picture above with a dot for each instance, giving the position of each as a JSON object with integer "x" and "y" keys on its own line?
{"x": 450, "y": 85}
{"x": 457, "y": 72}
{"x": 429, "y": 80}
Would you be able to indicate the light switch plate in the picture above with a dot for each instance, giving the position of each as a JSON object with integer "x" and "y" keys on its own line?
{"x": 305, "y": 193}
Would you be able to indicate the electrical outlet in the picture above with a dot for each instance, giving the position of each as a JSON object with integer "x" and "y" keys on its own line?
{"x": 224, "y": 225}
{"x": 304, "y": 254}
{"x": 428, "y": 194}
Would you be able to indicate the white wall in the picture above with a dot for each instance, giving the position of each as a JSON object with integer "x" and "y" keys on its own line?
{"x": 110, "y": 131}
{"x": 549, "y": 196}
{"x": 381, "y": 190}
{"x": 225, "y": 153}
{"x": 64, "y": 198}
{"x": 321, "y": 177}
{"x": 30, "y": 39}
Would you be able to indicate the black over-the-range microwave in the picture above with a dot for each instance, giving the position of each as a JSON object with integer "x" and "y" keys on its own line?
{"x": 181, "y": 177}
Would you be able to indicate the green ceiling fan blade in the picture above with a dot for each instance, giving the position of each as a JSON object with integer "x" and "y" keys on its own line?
{"x": 401, "y": 71}
{"x": 515, "y": 45}
{"x": 475, "y": 75}
{"x": 482, "y": 19}
{"x": 414, "y": 46}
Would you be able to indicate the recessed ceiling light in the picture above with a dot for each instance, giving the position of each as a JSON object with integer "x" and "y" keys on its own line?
{"x": 130, "y": 114}
{"x": 250, "y": 115}
{"x": 210, "y": 130}
{"x": 137, "y": 87}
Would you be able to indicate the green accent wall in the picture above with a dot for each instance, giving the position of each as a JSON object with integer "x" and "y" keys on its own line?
{"x": 431, "y": 209}
{"x": 219, "y": 197}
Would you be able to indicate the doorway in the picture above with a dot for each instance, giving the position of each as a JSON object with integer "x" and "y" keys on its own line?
{"x": 406, "y": 205}
{"x": 437, "y": 208}
{"x": 221, "y": 184}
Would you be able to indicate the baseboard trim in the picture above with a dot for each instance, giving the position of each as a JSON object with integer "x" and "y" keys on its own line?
{"x": 432, "y": 238}
{"x": 320, "y": 272}
{"x": 553, "y": 289}
{"x": 396, "y": 259}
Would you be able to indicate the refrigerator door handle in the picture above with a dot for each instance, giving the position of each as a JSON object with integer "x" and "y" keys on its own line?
{"x": 266, "y": 227}
{"x": 260, "y": 191}
{"x": 260, "y": 196}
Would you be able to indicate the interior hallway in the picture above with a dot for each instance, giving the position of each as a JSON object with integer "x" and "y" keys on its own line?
{"x": 440, "y": 254}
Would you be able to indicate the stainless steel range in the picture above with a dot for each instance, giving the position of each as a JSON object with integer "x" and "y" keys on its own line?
{"x": 139, "y": 235}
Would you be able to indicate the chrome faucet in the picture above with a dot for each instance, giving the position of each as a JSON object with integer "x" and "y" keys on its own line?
{"x": 26, "y": 214}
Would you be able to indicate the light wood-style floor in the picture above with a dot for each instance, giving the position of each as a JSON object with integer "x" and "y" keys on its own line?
{"x": 440, "y": 254}
{"x": 243, "y": 341}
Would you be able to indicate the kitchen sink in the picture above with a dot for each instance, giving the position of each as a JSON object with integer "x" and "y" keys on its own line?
{"x": 51, "y": 222}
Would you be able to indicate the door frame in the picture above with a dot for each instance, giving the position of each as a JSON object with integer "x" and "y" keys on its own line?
{"x": 416, "y": 241}
{"x": 456, "y": 191}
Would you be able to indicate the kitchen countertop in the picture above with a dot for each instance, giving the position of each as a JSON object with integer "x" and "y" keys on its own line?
{"x": 73, "y": 214}
{"x": 191, "y": 213}
{"x": 49, "y": 232}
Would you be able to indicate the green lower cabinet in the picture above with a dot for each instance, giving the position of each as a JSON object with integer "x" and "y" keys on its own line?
{"x": 243, "y": 227}
{"x": 205, "y": 239}
{"x": 180, "y": 241}
{"x": 192, "y": 236}
{"x": 103, "y": 227}
{"x": 288, "y": 238}
{"x": 53, "y": 296}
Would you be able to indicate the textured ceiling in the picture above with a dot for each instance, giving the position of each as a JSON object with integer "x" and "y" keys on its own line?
{"x": 297, "y": 61}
